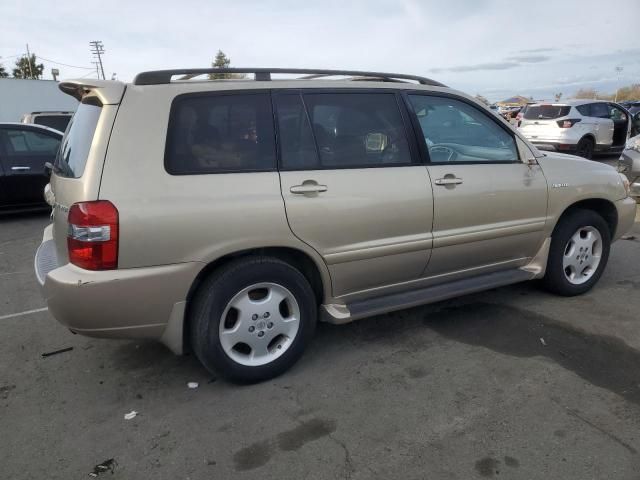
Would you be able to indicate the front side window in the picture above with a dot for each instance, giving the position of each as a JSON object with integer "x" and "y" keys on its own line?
{"x": 27, "y": 142}
{"x": 220, "y": 133}
{"x": 350, "y": 130}
{"x": 616, "y": 114}
{"x": 454, "y": 131}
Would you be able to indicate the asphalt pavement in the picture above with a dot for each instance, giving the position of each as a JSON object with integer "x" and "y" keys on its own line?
{"x": 510, "y": 383}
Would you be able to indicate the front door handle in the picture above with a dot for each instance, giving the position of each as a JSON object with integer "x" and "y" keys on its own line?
{"x": 308, "y": 187}
{"x": 20, "y": 169}
{"x": 448, "y": 180}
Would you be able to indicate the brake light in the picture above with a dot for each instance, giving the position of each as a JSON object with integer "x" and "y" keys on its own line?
{"x": 92, "y": 239}
{"x": 567, "y": 123}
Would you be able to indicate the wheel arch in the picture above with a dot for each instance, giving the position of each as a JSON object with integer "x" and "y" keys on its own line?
{"x": 304, "y": 262}
{"x": 605, "y": 208}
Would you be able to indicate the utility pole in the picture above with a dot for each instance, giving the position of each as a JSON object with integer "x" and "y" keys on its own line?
{"x": 29, "y": 61}
{"x": 618, "y": 71}
{"x": 97, "y": 49}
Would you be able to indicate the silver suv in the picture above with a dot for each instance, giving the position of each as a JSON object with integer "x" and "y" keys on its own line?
{"x": 226, "y": 216}
{"x": 577, "y": 126}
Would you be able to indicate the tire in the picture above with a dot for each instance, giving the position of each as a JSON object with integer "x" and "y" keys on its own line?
{"x": 567, "y": 260}
{"x": 257, "y": 343}
{"x": 585, "y": 148}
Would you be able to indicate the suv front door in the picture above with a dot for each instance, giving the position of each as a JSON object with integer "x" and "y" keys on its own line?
{"x": 24, "y": 154}
{"x": 353, "y": 186}
{"x": 489, "y": 206}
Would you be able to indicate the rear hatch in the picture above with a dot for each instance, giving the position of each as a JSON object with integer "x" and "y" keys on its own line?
{"x": 78, "y": 166}
{"x": 540, "y": 119}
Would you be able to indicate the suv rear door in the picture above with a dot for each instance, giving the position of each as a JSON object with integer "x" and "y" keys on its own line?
{"x": 599, "y": 111}
{"x": 489, "y": 206}
{"x": 78, "y": 166}
{"x": 353, "y": 186}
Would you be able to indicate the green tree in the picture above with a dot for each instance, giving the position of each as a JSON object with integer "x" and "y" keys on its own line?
{"x": 22, "y": 69}
{"x": 3, "y": 72}
{"x": 222, "y": 61}
{"x": 482, "y": 99}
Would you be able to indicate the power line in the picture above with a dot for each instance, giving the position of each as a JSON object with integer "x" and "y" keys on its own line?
{"x": 64, "y": 64}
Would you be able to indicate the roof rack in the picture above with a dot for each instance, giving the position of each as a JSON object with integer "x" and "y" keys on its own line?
{"x": 159, "y": 77}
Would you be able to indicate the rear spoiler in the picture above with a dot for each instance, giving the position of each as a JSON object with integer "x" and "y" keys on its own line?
{"x": 109, "y": 92}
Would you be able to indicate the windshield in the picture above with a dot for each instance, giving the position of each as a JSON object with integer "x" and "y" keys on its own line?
{"x": 546, "y": 112}
{"x": 73, "y": 153}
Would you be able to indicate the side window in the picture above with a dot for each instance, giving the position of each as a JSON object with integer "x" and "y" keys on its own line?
{"x": 599, "y": 110}
{"x": 584, "y": 110}
{"x": 616, "y": 114}
{"x": 354, "y": 130}
{"x": 454, "y": 131}
{"x": 220, "y": 133}
{"x": 26, "y": 142}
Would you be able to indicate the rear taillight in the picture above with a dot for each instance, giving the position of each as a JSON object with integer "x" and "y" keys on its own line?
{"x": 567, "y": 123}
{"x": 93, "y": 235}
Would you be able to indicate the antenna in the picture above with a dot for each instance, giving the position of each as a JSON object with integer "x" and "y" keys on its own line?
{"x": 97, "y": 49}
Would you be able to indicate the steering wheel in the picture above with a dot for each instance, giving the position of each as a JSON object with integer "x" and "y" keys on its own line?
{"x": 442, "y": 153}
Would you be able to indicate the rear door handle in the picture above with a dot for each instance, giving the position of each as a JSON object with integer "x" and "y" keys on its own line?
{"x": 448, "y": 181}
{"x": 20, "y": 169}
{"x": 308, "y": 187}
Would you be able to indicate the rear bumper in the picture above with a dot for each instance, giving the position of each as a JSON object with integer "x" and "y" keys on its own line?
{"x": 626, "y": 216}
{"x": 554, "y": 146}
{"x": 126, "y": 303}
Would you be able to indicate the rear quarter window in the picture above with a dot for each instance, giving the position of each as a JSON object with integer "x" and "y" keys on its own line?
{"x": 220, "y": 133}
{"x": 74, "y": 151}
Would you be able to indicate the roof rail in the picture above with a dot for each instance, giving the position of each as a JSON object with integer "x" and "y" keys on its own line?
{"x": 159, "y": 77}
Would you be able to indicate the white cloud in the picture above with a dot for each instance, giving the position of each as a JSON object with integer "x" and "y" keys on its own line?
{"x": 474, "y": 45}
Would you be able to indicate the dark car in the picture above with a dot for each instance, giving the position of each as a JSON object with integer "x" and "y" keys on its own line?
{"x": 24, "y": 151}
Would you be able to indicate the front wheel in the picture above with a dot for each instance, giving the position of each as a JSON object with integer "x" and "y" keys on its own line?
{"x": 579, "y": 252}
{"x": 252, "y": 320}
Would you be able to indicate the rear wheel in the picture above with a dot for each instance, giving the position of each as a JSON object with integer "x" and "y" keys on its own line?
{"x": 252, "y": 320}
{"x": 585, "y": 147}
{"x": 579, "y": 252}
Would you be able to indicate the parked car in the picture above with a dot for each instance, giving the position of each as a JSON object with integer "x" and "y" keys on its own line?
{"x": 56, "y": 120}
{"x": 582, "y": 127}
{"x": 24, "y": 153}
{"x": 630, "y": 104}
{"x": 634, "y": 111}
{"x": 629, "y": 164}
{"x": 226, "y": 217}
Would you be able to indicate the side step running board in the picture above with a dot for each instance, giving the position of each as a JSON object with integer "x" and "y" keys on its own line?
{"x": 435, "y": 293}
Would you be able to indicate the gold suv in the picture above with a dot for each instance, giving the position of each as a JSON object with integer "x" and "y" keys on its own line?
{"x": 226, "y": 217}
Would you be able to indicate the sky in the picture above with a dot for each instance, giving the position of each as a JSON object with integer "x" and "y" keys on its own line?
{"x": 497, "y": 48}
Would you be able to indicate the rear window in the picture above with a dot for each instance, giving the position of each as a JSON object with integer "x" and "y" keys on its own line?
{"x": 220, "y": 133}
{"x": 546, "y": 112}
{"x": 73, "y": 154}
{"x": 57, "y": 122}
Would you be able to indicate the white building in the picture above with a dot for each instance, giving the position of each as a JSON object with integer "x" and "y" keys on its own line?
{"x": 18, "y": 97}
